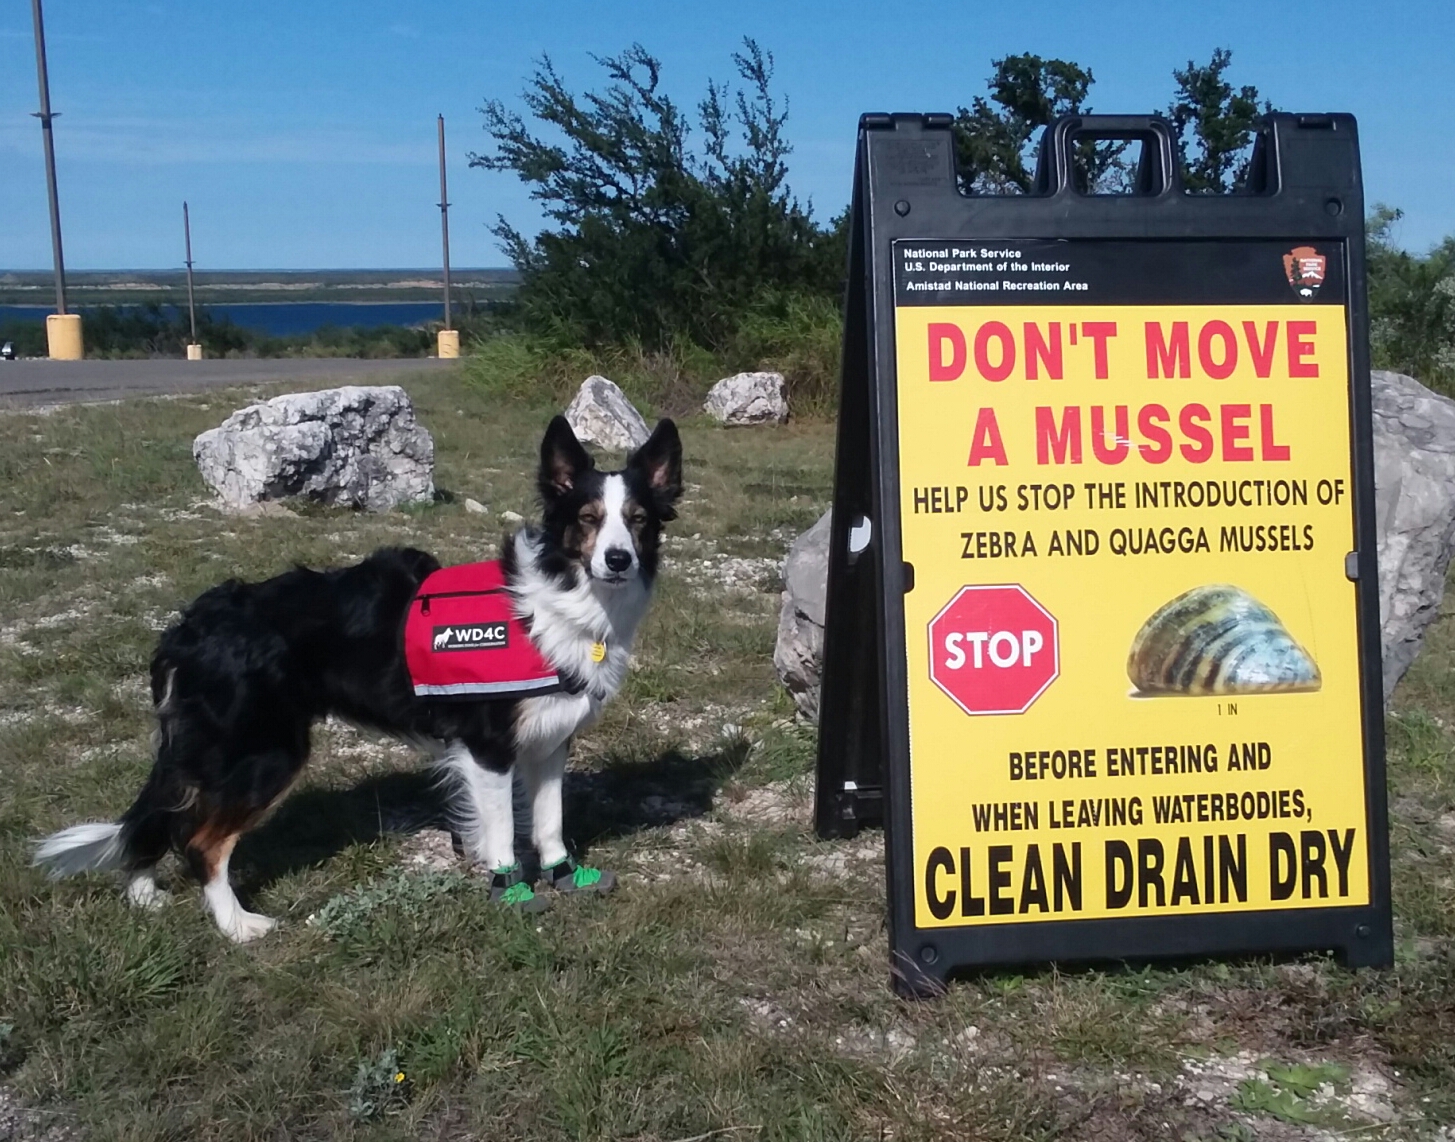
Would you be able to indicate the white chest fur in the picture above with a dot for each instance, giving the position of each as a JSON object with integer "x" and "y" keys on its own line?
{"x": 570, "y": 627}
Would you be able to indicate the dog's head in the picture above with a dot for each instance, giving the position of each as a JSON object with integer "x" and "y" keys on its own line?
{"x": 608, "y": 525}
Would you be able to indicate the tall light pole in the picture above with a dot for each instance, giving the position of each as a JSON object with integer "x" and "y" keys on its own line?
{"x": 444, "y": 218}
{"x": 45, "y": 116}
{"x": 449, "y": 339}
{"x": 191, "y": 300}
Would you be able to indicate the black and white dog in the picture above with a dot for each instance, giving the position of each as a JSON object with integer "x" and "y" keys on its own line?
{"x": 240, "y": 678}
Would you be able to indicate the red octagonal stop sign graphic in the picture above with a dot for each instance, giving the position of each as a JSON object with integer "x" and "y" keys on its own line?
{"x": 994, "y": 649}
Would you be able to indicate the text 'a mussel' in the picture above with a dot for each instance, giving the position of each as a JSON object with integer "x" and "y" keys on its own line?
{"x": 1218, "y": 639}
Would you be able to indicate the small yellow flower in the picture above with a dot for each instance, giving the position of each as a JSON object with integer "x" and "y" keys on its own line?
{"x": 399, "y": 1078}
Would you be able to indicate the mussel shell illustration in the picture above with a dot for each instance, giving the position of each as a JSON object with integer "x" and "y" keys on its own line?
{"x": 1218, "y": 639}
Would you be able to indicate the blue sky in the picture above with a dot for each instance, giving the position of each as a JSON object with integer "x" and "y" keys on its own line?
{"x": 303, "y": 133}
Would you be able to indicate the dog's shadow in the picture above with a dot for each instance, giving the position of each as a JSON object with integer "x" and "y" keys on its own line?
{"x": 622, "y": 797}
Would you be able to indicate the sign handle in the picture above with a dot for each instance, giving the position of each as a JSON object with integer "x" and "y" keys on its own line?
{"x": 1157, "y": 171}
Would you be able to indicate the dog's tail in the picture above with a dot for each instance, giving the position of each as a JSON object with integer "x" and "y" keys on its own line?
{"x": 82, "y": 848}
{"x": 138, "y": 839}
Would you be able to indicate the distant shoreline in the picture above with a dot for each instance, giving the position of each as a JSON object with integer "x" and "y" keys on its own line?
{"x": 211, "y": 287}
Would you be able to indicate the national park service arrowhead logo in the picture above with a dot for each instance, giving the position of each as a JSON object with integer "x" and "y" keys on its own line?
{"x": 1305, "y": 267}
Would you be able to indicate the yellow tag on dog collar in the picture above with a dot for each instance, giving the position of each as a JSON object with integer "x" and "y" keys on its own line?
{"x": 598, "y": 652}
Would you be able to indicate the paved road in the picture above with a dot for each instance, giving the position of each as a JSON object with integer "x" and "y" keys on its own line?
{"x": 42, "y": 382}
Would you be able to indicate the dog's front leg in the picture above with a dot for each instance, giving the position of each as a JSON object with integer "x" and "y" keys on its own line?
{"x": 543, "y": 777}
{"x": 543, "y": 781}
{"x": 482, "y": 809}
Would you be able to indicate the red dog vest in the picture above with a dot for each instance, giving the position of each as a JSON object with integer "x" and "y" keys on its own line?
{"x": 462, "y": 639}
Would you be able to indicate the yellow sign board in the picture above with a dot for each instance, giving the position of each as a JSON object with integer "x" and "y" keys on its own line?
{"x": 1101, "y": 640}
{"x": 1109, "y": 460}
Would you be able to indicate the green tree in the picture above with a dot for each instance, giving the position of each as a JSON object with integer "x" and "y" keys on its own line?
{"x": 1411, "y": 304}
{"x": 655, "y": 240}
{"x": 996, "y": 138}
{"x": 1214, "y": 125}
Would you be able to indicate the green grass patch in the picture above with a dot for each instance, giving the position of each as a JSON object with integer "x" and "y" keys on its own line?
{"x": 736, "y": 984}
{"x": 798, "y": 336}
{"x": 1289, "y": 1092}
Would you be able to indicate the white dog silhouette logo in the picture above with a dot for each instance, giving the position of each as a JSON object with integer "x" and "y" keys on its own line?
{"x": 471, "y": 636}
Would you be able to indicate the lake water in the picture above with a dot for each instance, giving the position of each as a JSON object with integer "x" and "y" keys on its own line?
{"x": 279, "y": 318}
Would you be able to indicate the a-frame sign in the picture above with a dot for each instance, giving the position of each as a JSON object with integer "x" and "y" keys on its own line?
{"x": 1102, "y": 645}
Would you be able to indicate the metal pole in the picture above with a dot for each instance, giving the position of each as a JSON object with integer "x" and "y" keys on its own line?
{"x": 191, "y": 302}
{"x": 444, "y": 219}
{"x": 45, "y": 116}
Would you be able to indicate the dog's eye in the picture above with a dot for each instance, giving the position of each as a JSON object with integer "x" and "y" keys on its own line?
{"x": 637, "y": 518}
{"x": 591, "y": 519}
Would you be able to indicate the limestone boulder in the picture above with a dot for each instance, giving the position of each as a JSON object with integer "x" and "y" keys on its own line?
{"x": 356, "y": 446}
{"x": 798, "y": 653}
{"x": 1414, "y": 478}
{"x": 601, "y": 414}
{"x": 748, "y": 398}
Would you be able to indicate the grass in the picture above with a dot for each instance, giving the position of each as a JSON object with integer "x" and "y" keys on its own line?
{"x": 735, "y": 986}
{"x": 797, "y": 336}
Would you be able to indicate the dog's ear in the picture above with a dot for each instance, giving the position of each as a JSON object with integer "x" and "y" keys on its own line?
{"x": 659, "y": 461}
{"x": 563, "y": 460}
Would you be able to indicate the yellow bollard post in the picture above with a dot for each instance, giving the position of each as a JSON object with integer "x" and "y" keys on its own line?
{"x": 449, "y": 343}
{"x": 194, "y": 352}
{"x": 63, "y": 336}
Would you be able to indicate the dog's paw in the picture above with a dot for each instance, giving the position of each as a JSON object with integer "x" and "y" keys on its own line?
{"x": 508, "y": 887}
{"x": 142, "y": 892}
{"x": 248, "y": 926}
{"x": 570, "y": 877}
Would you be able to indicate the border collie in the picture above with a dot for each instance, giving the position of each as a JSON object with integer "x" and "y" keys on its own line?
{"x": 240, "y": 678}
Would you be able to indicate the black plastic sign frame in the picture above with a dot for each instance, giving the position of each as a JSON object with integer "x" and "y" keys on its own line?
{"x": 1043, "y": 554}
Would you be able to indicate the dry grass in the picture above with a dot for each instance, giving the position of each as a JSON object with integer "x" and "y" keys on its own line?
{"x": 736, "y": 985}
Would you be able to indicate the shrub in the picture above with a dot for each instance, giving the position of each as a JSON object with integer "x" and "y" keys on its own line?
{"x": 654, "y": 242}
{"x": 798, "y": 335}
{"x": 1411, "y": 305}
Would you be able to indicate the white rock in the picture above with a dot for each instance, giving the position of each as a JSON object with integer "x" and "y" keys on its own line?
{"x": 356, "y": 446}
{"x": 1414, "y": 477}
{"x": 512, "y": 517}
{"x": 900, "y": 1043}
{"x": 476, "y": 507}
{"x": 254, "y": 509}
{"x": 798, "y": 653}
{"x": 748, "y": 398}
{"x": 601, "y": 415}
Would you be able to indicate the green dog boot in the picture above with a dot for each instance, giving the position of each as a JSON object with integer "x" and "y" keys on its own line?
{"x": 508, "y": 887}
{"x": 568, "y": 876}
